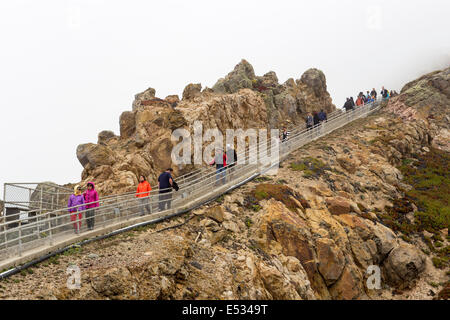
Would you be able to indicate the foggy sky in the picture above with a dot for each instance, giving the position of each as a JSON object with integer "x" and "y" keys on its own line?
{"x": 68, "y": 69}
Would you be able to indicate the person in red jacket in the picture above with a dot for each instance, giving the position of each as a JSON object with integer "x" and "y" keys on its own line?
{"x": 220, "y": 160}
{"x": 91, "y": 200}
{"x": 359, "y": 101}
{"x": 143, "y": 193}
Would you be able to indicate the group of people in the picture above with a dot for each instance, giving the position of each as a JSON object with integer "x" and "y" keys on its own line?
{"x": 369, "y": 97}
{"x": 79, "y": 202}
{"x": 312, "y": 120}
{"x": 315, "y": 119}
{"x": 88, "y": 201}
{"x": 165, "y": 185}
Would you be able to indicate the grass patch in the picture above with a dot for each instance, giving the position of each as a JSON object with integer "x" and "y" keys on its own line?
{"x": 439, "y": 263}
{"x": 430, "y": 179}
{"x": 72, "y": 251}
{"x": 311, "y": 167}
{"x": 256, "y": 207}
{"x": 220, "y": 199}
{"x": 263, "y": 179}
{"x": 280, "y": 193}
{"x": 248, "y": 222}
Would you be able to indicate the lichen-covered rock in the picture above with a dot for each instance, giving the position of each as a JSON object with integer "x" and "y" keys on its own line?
{"x": 403, "y": 265}
{"x": 105, "y": 136}
{"x": 93, "y": 155}
{"x": 331, "y": 260}
{"x": 143, "y": 96}
{"x": 127, "y": 124}
{"x": 191, "y": 91}
{"x": 241, "y": 77}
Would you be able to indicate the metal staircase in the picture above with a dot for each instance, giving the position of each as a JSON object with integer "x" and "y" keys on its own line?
{"x": 49, "y": 227}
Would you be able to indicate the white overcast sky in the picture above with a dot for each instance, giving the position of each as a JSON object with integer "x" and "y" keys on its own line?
{"x": 69, "y": 68}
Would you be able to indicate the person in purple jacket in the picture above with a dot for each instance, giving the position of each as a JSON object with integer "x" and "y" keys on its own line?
{"x": 90, "y": 195}
{"x": 76, "y": 199}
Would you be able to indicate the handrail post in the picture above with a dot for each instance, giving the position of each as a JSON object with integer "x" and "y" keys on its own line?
{"x": 40, "y": 212}
{"x": 50, "y": 228}
{"x": 20, "y": 237}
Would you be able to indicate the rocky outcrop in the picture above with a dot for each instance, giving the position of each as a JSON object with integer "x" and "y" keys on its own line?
{"x": 191, "y": 91}
{"x": 143, "y": 96}
{"x": 241, "y": 100}
{"x": 240, "y": 78}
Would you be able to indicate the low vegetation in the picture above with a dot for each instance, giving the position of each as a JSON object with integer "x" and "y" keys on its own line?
{"x": 278, "y": 192}
{"x": 311, "y": 167}
{"x": 430, "y": 180}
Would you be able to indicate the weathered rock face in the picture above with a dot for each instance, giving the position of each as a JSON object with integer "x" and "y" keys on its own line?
{"x": 425, "y": 102}
{"x": 239, "y": 101}
{"x": 240, "y": 78}
{"x": 286, "y": 103}
{"x": 403, "y": 265}
{"x": 191, "y": 91}
{"x": 143, "y": 96}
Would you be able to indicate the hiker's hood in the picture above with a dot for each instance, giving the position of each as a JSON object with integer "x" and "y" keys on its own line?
{"x": 93, "y": 185}
{"x": 76, "y": 191}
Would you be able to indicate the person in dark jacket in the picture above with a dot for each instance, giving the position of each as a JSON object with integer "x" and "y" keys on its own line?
{"x": 309, "y": 121}
{"x": 347, "y": 105}
{"x": 322, "y": 116}
{"x": 165, "y": 183}
{"x": 352, "y": 102}
{"x": 373, "y": 94}
{"x": 316, "y": 118}
{"x": 231, "y": 159}
{"x": 384, "y": 93}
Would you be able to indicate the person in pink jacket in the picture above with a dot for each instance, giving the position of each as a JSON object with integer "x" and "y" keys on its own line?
{"x": 91, "y": 200}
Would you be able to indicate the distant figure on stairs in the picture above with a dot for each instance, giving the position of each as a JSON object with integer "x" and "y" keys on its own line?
{"x": 309, "y": 121}
{"x": 231, "y": 156}
{"x": 284, "y": 135}
{"x": 384, "y": 93}
{"x": 373, "y": 94}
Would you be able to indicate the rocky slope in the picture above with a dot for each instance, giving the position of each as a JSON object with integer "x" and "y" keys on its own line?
{"x": 241, "y": 100}
{"x": 369, "y": 194}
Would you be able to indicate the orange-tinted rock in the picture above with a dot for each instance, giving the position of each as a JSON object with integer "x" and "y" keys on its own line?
{"x": 338, "y": 205}
{"x": 331, "y": 260}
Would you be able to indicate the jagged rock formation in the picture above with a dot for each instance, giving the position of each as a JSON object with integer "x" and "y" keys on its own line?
{"x": 239, "y": 101}
{"x": 336, "y": 207}
{"x": 284, "y": 101}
